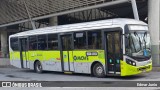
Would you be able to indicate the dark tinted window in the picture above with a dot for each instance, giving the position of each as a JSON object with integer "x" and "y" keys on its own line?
{"x": 117, "y": 43}
{"x": 52, "y": 42}
{"x": 33, "y": 43}
{"x": 110, "y": 41}
{"x": 23, "y": 43}
{"x": 80, "y": 40}
{"x": 66, "y": 42}
{"x": 14, "y": 44}
{"x": 94, "y": 40}
{"x": 42, "y": 42}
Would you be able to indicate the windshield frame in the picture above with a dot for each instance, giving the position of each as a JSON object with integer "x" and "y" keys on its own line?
{"x": 146, "y": 57}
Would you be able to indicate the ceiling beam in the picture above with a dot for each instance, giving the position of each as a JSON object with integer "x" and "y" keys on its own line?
{"x": 69, "y": 11}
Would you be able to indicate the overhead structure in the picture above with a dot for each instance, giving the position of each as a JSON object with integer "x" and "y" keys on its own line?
{"x": 19, "y": 11}
{"x": 135, "y": 11}
{"x": 22, "y": 15}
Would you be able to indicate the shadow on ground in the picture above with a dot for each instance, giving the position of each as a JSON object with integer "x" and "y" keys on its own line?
{"x": 88, "y": 75}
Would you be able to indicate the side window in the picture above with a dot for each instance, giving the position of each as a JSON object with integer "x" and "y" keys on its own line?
{"x": 33, "y": 43}
{"x": 42, "y": 42}
{"x": 14, "y": 44}
{"x": 80, "y": 40}
{"x": 94, "y": 40}
{"x": 52, "y": 42}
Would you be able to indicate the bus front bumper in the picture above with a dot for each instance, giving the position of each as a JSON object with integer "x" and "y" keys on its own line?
{"x": 128, "y": 70}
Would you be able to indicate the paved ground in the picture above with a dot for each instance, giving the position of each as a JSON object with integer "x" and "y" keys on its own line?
{"x": 15, "y": 74}
{"x": 8, "y": 73}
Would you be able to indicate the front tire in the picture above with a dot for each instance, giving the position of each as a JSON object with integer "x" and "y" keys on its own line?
{"x": 98, "y": 70}
{"x": 38, "y": 67}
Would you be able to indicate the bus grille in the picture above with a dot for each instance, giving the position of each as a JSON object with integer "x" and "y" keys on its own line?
{"x": 143, "y": 68}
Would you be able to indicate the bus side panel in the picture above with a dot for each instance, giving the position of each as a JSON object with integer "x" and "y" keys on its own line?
{"x": 71, "y": 61}
{"x": 31, "y": 58}
{"x": 25, "y": 59}
{"x": 35, "y": 55}
{"x": 84, "y": 59}
{"x": 15, "y": 59}
{"x": 52, "y": 61}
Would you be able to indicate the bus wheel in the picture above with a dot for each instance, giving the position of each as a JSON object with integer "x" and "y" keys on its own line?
{"x": 38, "y": 67}
{"x": 98, "y": 70}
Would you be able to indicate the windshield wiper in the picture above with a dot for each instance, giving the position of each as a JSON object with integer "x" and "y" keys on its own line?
{"x": 144, "y": 39}
{"x": 135, "y": 33}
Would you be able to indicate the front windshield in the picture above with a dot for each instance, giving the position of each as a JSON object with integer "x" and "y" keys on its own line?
{"x": 138, "y": 44}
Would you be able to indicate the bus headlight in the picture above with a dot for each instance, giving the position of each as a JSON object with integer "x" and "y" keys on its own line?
{"x": 130, "y": 62}
{"x": 134, "y": 64}
{"x": 149, "y": 62}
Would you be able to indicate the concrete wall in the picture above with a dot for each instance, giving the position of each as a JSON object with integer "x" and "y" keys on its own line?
{"x": 4, "y": 44}
{"x": 154, "y": 27}
{"x": 53, "y": 21}
{"x": 4, "y": 61}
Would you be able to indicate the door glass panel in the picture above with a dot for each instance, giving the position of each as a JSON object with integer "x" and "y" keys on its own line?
{"x": 24, "y": 44}
{"x": 110, "y": 51}
{"x": 66, "y": 43}
{"x": 110, "y": 41}
{"x": 23, "y": 52}
{"x": 117, "y": 43}
{"x": 113, "y": 51}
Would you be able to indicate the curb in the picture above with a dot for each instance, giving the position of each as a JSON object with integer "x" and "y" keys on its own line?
{"x": 7, "y": 66}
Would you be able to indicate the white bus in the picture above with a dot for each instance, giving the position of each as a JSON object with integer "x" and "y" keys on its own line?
{"x": 118, "y": 47}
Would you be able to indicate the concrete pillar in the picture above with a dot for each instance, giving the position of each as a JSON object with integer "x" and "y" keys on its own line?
{"x": 4, "y": 45}
{"x": 154, "y": 27}
{"x": 53, "y": 21}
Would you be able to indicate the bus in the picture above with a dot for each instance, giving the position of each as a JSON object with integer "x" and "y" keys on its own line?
{"x": 115, "y": 47}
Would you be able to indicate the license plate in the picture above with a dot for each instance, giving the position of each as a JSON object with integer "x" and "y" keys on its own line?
{"x": 143, "y": 70}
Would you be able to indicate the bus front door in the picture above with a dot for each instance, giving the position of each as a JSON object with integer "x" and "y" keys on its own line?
{"x": 66, "y": 52}
{"x": 113, "y": 52}
{"x": 23, "y": 52}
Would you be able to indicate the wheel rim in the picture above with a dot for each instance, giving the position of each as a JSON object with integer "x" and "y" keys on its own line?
{"x": 39, "y": 67}
{"x": 99, "y": 70}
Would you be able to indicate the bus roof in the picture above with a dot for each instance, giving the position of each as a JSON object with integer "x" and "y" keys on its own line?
{"x": 109, "y": 23}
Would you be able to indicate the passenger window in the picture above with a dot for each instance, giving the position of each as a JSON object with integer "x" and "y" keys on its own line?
{"x": 42, "y": 42}
{"x": 14, "y": 44}
{"x": 33, "y": 43}
{"x": 80, "y": 40}
{"x": 94, "y": 40}
{"x": 52, "y": 42}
